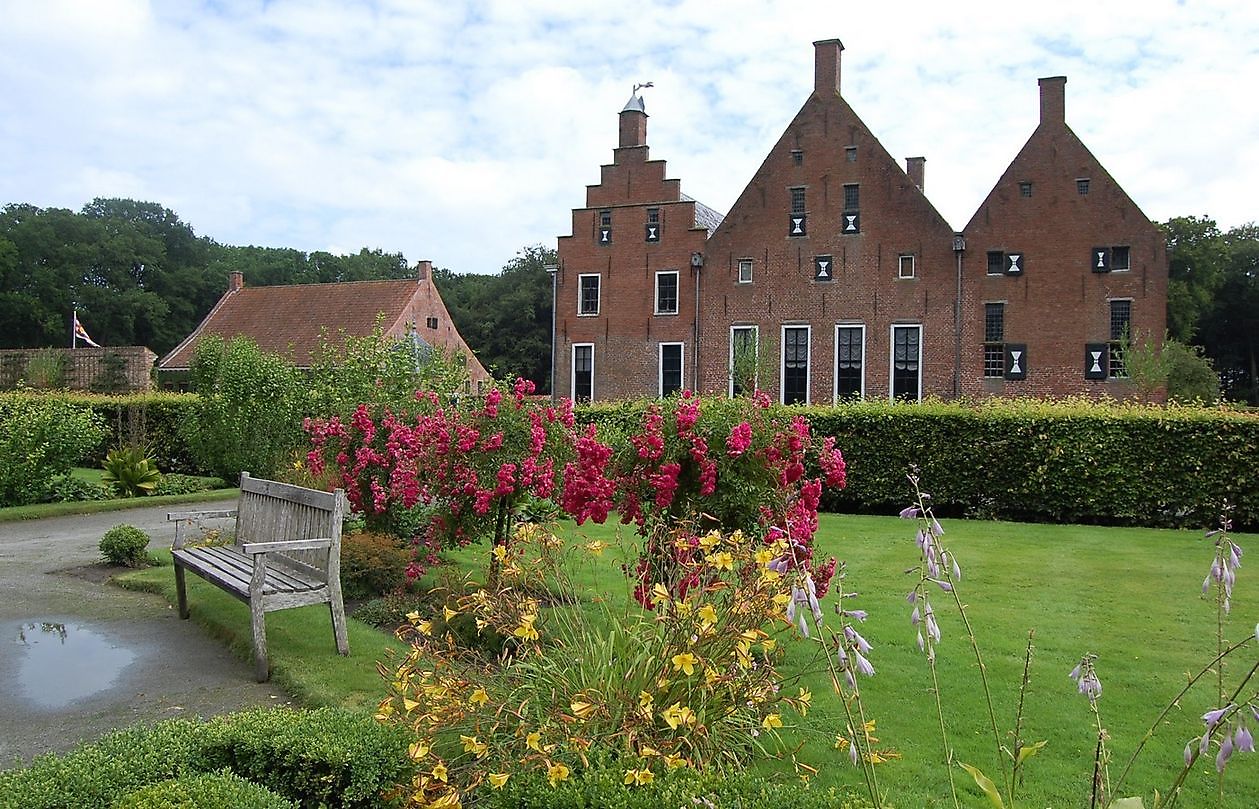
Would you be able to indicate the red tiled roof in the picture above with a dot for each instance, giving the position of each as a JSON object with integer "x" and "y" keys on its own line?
{"x": 288, "y": 320}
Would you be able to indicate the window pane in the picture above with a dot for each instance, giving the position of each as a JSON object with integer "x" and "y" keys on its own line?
{"x": 1120, "y": 317}
{"x": 848, "y": 377}
{"x": 583, "y": 373}
{"x": 743, "y": 360}
{"x": 994, "y": 322}
{"x": 588, "y": 302}
{"x": 905, "y": 359}
{"x": 996, "y": 262}
{"x": 667, "y": 293}
{"x": 670, "y": 369}
{"x": 852, "y": 197}
{"x": 795, "y": 366}
{"x": 797, "y": 200}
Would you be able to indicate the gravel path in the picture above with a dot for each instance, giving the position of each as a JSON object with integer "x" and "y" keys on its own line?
{"x": 82, "y": 657}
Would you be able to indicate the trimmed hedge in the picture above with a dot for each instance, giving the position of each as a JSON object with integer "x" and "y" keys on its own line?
{"x": 219, "y": 790}
{"x": 327, "y": 757}
{"x": 1066, "y": 461}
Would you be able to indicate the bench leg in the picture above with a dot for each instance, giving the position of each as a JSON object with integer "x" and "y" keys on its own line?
{"x": 262, "y": 668}
{"x": 180, "y": 591}
{"x": 337, "y": 607}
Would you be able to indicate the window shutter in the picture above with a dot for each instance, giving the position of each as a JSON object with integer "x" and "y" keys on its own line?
{"x": 605, "y": 235}
{"x": 823, "y": 268}
{"x": 1014, "y": 263}
{"x": 1100, "y": 259}
{"x": 797, "y": 225}
{"x": 852, "y": 223}
{"x": 653, "y": 232}
{"x": 1016, "y": 361}
{"x": 1095, "y": 360}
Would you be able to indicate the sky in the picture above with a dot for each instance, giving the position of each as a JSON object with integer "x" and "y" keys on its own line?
{"x": 462, "y": 131}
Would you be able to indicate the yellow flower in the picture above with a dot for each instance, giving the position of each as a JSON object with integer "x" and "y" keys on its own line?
{"x": 743, "y": 653}
{"x": 448, "y": 801}
{"x": 500, "y": 552}
{"x": 737, "y": 537}
{"x": 711, "y": 676}
{"x": 556, "y": 773}
{"x": 764, "y": 556}
{"x": 498, "y": 779}
{"x": 425, "y": 627}
{"x": 768, "y": 644}
{"x": 644, "y": 699}
{"x": 677, "y": 715}
{"x": 409, "y": 704}
{"x": 439, "y": 772}
{"x": 413, "y": 616}
{"x": 526, "y": 630}
{"x": 647, "y": 751}
{"x": 770, "y": 576}
{"x": 685, "y": 663}
{"x": 707, "y": 615}
{"x": 639, "y": 777}
{"x": 722, "y": 561}
{"x": 772, "y": 721}
{"x": 534, "y": 740}
{"x": 471, "y": 744}
{"x": 710, "y": 540}
{"x": 660, "y": 593}
{"x": 596, "y": 547}
{"x": 450, "y": 613}
{"x": 805, "y": 698}
{"x": 674, "y": 761}
{"x": 581, "y": 709}
{"x": 419, "y": 749}
{"x": 684, "y": 607}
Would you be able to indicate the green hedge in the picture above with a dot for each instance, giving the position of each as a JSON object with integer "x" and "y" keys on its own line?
{"x": 323, "y": 758}
{"x": 1068, "y": 461}
{"x": 220, "y": 790}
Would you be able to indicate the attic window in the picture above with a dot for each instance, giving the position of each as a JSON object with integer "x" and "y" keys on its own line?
{"x": 1082, "y": 186}
{"x": 1025, "y": 190}
{"x": 850, "y": 153}
{"x": 797, "y": 157}
{"x": 431, "y": 322}
{"x": 797, "y": 200}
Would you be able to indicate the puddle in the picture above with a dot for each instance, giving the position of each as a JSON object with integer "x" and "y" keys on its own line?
{"x": 60, "y": 663}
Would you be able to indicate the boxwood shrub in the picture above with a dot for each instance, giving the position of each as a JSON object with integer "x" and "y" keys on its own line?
{"x": 1068, "y": 461}
{"x": 218, "y": 790}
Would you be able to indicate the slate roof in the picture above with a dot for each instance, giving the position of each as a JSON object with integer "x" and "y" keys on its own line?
{"x": 705, "y": 217}
{"x": 288, "y": 320}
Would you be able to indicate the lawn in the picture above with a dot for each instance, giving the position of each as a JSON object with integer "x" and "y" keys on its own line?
{"x": 1132, "y": 596}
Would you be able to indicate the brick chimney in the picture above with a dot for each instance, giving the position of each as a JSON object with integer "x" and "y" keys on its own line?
{"x": 423, "y": 269}
{"x": 916, "y": 168}
{"x": 826, "y": 66}
{"x": 235, "y": 281}
{"x": 633, "y": 123}
{"x": 1053, "y": 100}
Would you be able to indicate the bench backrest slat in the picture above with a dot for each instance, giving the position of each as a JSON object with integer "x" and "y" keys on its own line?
{"x": 271, "y": 511}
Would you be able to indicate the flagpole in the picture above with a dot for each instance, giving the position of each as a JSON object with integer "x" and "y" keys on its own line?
{"x": 74, "y": 335}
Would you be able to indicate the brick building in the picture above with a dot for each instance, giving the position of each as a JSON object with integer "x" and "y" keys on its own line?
{"x": 833, "y": 276}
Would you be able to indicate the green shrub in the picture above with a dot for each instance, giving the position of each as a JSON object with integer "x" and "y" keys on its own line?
{"x": 70, "y": 489}
{"x": 327, "y": 757}
{"x": 221, "y": 790}
{"x": 125, "y": 545}
{"x": 249, "y": 416}
{"x": 130, "y": 471}
{"x": 174, "y": 483}
{"x": 1191, "y": 376}
{"x": 372, "y": 564}
{"x": 603, "y": 787}
{"x": 96, "y": 774}
{"x": 390, "y": 611}
{"x": 40, "y": 440}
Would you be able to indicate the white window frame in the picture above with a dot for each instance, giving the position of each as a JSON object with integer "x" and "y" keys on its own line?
{"x": 745, "y": 262}
{"x": 1113, "y": 268}
{"x": 756, "y": 344}
{"x": 782, "y": 362}
{"x": 598, "y": 297}
{"x": 660, "y": 367}
{"x": 677, "y": 292}
{"x": 891, "y": 358}
{"x": 572, "y": 371}
{"x": 900, "y": 266}
{"x": 835, "y": 368}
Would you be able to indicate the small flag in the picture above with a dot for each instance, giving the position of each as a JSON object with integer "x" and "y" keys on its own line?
{"x": 80, "y": 333}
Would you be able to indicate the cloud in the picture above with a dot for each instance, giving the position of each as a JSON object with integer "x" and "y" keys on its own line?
{"x": 460, "y": 131}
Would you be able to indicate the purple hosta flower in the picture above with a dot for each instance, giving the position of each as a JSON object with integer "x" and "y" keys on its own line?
{"x": 852, "y": 751}
{"x": 1226, "y": 751}
{"x": 862, "y": 664}
{"x": 943, "y": 585}
{"x": 910, "y": 513}
{"x": 1086, "y": 678}
{"x": 1213, "y": 717}
{"x": 854, "y": 637}
{"x": 1190, "y": 755}
{"x": 858, "y": 615}
{"x": 1242, "y": 739}
{"x": 933, "y": 629}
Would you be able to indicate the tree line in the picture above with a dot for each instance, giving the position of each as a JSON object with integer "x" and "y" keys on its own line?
{"x": 138, "y": 275}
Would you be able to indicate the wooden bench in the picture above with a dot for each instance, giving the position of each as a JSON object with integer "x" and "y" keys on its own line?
{"x": 287, "y": 553}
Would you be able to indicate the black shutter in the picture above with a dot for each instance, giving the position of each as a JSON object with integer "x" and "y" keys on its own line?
{"x": 1014, "y": 263}
{"x": 1016, "y": 361}
{"x": 653, "y": 232}
{"x": 823, "y": 268}
{"x": 605, "y": 235}
{"x": 852, "y": 223}
{"x": 797, "y": 225}
{"x": 1099, "y": 259}
{"x": 1095, "y": 360}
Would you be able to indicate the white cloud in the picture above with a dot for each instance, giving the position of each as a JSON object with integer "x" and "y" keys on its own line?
{"x": 460, "y": 131}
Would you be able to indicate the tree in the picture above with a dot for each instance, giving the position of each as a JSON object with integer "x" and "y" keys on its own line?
{"x": 1195, "y": 272}
{"x": 1230, "y": 331}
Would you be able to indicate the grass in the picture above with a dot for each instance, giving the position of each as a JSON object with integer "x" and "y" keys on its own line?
{"x": 41, "y": 510}
{"x": 1130, "y": 595}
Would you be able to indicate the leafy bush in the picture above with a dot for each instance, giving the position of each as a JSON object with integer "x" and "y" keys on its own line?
{"x": 603, "y": 787}
{"x": 1191, "y": 376}
{"x": 94, "y": 775}
{"x": 41, "y": 439}
{"x": 130, "y": 471}
{"x": 206, "y": 791}
{"x": 327, "y": 757}
{"x": 173, "y": 483}
{"x": 372, "y": 564}
{"x": 70, "y": 489}
{"x": 125, "y": 545}
{"x": 390, "y": 611}
{"x": 249, "y": 415}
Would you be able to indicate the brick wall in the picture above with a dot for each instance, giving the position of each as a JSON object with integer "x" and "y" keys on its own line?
{"x": 110, "y": 370}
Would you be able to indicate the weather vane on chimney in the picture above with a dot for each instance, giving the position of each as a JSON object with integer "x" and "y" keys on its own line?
{"x": 642, "y": 86}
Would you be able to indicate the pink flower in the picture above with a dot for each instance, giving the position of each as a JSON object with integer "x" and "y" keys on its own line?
{"x": 740, "y": 439}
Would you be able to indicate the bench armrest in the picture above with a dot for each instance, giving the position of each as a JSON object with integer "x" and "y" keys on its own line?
{"x": 254, "y": 548}
{"x": 174, "y": 516}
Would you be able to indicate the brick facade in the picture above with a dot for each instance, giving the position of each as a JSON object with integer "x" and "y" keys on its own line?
{"x": 120, "y": 369}
{"x": 853, "y": 283}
